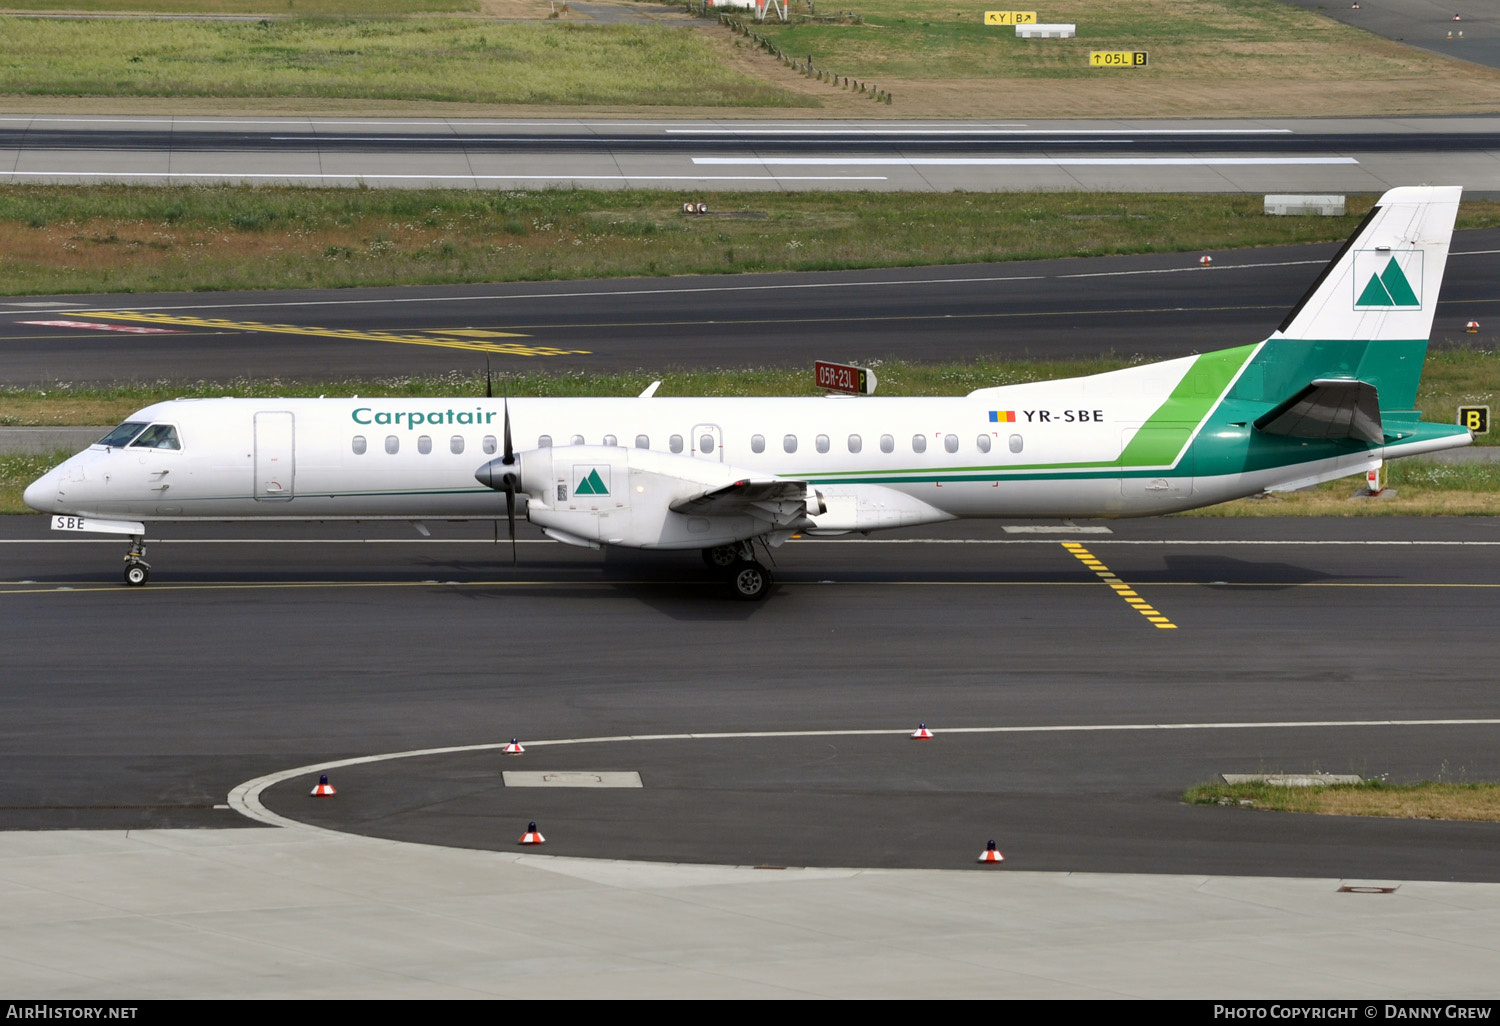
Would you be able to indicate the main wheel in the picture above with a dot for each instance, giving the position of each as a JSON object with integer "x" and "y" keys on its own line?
{"x": 722, "y": 557}
{"x": 750, "y": 581}
{"x": 136, "y": 574}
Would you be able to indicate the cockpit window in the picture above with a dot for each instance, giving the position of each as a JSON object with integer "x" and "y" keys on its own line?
{"x": 157, "y": 436}
{"x": 123, "y": 434}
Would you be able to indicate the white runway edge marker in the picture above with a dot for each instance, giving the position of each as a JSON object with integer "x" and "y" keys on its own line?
{"x": 245, "y": 798}
{"x": 1027, "y": 161}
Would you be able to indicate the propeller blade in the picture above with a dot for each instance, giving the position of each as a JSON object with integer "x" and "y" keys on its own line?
{"x": 510, "y": 452}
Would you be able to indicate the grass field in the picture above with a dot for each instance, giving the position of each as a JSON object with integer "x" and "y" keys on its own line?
{"x": 1426, "y": 800}
{"x": 298, "y": 8}
{"x": 134, "y": 239}
{"x": 1209, "y": 58}
{"x": 429, "y": 59}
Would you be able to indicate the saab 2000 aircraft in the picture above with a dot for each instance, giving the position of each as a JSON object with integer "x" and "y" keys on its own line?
{"x": 1329, "y": 394}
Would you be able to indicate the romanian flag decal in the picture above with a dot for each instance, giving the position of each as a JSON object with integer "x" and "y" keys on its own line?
{"x": 1002, "y": 416}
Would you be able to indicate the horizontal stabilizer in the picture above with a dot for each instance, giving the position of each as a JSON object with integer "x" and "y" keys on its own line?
{"x": 1329, "y": 408}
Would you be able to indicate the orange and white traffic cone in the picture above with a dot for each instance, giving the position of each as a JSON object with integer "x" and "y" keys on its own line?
{"x": 324, "y": 788}
{"x": 921, "y": 733}
{"x": 514, "y": 748}
{"x": 990, "y": 854}
{"x": 1205, "y": 260}
{"x": 531, "y": 836}
{"x": 1471, "y": 327}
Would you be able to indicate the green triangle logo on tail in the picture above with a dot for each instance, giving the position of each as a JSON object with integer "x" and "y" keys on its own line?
{"x": 1388, "y": 288}
{"x": 591, "y": 485}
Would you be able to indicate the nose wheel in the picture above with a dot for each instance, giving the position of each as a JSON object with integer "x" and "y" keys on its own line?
{"x": 137, "y": 570}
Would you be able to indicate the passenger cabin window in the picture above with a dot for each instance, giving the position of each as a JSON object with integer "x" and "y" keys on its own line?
{"x": 424, "y": 444}
{"x": 576, "y": 440}
{"x": 983, "y": 441}
{"x": 123, "y": 434}
{"x": 675, "y": 443}
{"x": 706, "y": 444}
{"x": 1016, "y": 443}
{"x": 544, "y": 441}
{"x": 918, "y": 443}
{"x": 642, "y": 441}
{"x": 855, "y": 443}
{"x": 456, "y": 445}
{"x": 789, "y": 443}
{"x": 489, "y": 444}
{"x": 392, "y": 444}
{"x": 887, "y": 443}
{"x": 157, "y": 436}
{"x": 821, "y": 442}
{"x": 611, "y": 440}
{"x": 757, "y": 443}
{"x": 359, "y": 445}
{"x": 950, "y": 442}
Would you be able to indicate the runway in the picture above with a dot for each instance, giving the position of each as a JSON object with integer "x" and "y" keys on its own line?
{"x": 1340, "y": 646}
{"x": 1150, "y": 306}
{"x": 1266, "y": 155}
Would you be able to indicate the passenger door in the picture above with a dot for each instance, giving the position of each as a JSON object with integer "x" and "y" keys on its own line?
{"x": 275, "y": 456}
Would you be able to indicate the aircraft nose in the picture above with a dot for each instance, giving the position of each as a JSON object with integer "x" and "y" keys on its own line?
{"x": 41, "y": 494}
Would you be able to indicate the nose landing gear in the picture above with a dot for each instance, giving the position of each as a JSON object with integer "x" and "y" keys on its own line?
{"x": 137, "y": 570}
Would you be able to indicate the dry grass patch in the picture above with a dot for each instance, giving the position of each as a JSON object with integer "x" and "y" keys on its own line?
{"x": 1425, "y": 800}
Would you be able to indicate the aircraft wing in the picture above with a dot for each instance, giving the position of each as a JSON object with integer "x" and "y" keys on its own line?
{"x": 779, "y": 501}
{"x": 1328, "y": 408}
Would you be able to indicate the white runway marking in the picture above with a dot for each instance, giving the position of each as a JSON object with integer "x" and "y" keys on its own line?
{"x": 1026, "y": 161}
{"x": 227, "y": 176}
{"x": 245, "y": 798}
{"x": 1004, "y": 130}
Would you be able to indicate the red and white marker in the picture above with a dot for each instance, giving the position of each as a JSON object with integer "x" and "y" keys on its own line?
{"x": 531, "y": 836}
{"x": 324, "y": 788}
{"x": 1471, "y": 327}
{"x": 990, "y": 854}
{"x": 921, "y": 733}
{"x": 1205, "y": 260}
{"x": 514, "y": 748}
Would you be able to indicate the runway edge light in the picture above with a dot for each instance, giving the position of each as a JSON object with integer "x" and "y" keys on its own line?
{"x": 514, "y": 748}
{"x": 990, "y": 854}
{"x": 531, "y": 836}
{"x": 921, "y": 733}
{"x": 324, "y": 788}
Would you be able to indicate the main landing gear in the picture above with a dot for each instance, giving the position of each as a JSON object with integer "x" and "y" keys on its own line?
{"x": 137, "y": 570}
{"x": 748, "y": 580}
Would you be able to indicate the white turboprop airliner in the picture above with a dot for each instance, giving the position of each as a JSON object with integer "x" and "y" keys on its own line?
{"x": 1331, "y": 393}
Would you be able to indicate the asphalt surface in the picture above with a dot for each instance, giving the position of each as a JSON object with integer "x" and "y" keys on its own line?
{"x": 1298, "y": 645}
{"x": 1474, "y": 35}
{"x": 1208, "y": 155}
{"x": 1152, "y": 306}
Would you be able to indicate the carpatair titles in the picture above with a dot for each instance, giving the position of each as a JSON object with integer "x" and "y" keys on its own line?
{"x": 416, "y": 418}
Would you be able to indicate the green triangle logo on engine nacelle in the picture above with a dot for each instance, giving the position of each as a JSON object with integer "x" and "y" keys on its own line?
{"x": 1387, "y": 287}
{"x": 591, "y": 484}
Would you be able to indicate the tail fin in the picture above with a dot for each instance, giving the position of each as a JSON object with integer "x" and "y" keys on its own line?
{"x": 1368, "y": 316}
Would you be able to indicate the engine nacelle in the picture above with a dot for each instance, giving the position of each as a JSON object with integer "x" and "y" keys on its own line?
{"x": 613, "y": 495}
